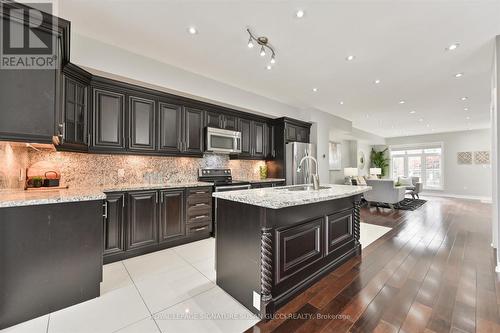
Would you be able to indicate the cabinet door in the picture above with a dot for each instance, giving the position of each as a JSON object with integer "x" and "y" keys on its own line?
{"x": 142, "y": 219}
{"x": 230, "y": 122}
{"x": 303, "y": 134}
{"x": 340, "y": 230}
{"x": 75, "y": 112}
{"x": 298, "y": 246}
{"x": 114, "y": 224}
{"x": 172, "y": 222}
{"x": 141, "y": 123}
{"x": 271, "y": 150}
{"x": 213, "y": 119}
{"x": 245, "y": 129}
{"x": 259, "y": 139}
{"x": 109, "y": 119}
{"x": 291, "y": 132}
{"x": 170, "y": 128}
{"x": 193, "y": 130}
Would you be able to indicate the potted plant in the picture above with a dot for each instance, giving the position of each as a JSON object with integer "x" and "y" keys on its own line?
{"x": 379, "y": 160}
{"x": 37, "y": 181}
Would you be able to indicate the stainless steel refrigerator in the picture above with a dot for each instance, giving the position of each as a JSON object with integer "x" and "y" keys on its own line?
{"x": 295, "y": 151}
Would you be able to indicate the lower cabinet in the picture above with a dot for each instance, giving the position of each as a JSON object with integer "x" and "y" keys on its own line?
{"x": 302, "y": 245}
{"x": 171, "y": 217}
{"x": 142, "y": 219}
{"x": 114, "y": 214}
{"x": 139, "y": 222}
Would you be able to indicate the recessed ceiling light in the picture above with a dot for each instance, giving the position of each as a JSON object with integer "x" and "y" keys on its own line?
{"x": 269, "y": 67}
{"x": 315, "y": 89}
{"x": 299, "y": 13}
{"x": 464, "y": 98}
{"x": 466, "y": 109}
{"x": 459, "y": 75}
{"x": 350, "y": 58}
{"x": 453, "y": 46}
{"x": 341, "y": 102}
{"x": 427, "y": 125}
{"x": 192, "y": 30}
{"x": 467, "y": 118}
{"x": 421, "y": 119}
{"x": 413, "y": 111}
{"x": 402, "y": 102}
{"x": 377, "y": 81}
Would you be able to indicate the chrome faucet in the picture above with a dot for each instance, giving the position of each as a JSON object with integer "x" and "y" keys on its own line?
{"x": 314, "y": 177}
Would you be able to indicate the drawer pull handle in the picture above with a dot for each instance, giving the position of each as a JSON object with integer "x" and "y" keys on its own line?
{"x": 200, "y": 229}
{"x": 200, "y": 192}
{"x": 200, "y": 217}
{"x": 200, "y": 204}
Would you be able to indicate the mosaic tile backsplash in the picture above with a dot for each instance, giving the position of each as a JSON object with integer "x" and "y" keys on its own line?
{"x": 95, "y": 170}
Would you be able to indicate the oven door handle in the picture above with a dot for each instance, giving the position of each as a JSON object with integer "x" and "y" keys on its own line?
{"x": 230, "y": 187}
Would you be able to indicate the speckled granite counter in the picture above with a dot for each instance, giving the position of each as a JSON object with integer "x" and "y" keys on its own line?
{"x": 280, "y": 197}
{"x": 17, "y": 198}
{"x": 267, "y": 180}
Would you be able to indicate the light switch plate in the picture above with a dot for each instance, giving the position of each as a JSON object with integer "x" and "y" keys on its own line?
{"x": 256, "y": 300}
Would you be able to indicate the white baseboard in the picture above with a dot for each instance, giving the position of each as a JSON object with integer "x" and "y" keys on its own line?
{"x": 457, "y": 196}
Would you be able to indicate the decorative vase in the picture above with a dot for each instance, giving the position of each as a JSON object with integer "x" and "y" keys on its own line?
{"x": 263, "y": 172}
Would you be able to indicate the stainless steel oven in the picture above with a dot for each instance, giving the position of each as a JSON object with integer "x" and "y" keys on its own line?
{"x": 222, "y": 141}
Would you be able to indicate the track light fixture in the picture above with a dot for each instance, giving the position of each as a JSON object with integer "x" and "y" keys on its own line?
{"x": 264, "y": 45}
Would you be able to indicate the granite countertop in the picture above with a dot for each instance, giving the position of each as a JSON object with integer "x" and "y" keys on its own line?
{"x": 17, "y": 198}
{"x": 267, "y": 180}
{"x": 280, "y": 197}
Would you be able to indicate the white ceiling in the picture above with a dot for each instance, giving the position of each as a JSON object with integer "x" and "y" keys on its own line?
{"x": 402, "y": 43}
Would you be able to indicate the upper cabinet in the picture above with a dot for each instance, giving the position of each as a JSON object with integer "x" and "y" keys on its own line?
{"x": 193, "y": 131}
{"x": 221, "y": 120}
{"x": 299, "y": 133}
{"x": 170, "y": 128}
{"x": 142, "y": 117}
{"x": 30, "y": 98}
{"x": 73, "y": 122}
{"x": 254, "y": 139}
{"x": 109, "y": 120}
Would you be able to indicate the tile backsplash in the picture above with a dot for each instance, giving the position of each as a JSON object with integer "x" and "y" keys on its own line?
{"x": 94, "y": 170}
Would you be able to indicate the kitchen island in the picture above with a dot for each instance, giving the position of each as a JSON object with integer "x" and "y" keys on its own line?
{"x": 272, "y": 243}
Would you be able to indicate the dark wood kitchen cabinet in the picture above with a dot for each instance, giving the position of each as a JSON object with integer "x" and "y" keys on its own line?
{"x": 142, "y": 118}
{"x": 114, "y": 224}
{"x": 254, "y": 143}
{"x": 296, "y": 133}
{"x": 109, "y": 120}
{"x": 220, "y": 120}
{"x": 142, "y": 229}
{"x": 259, "y": 138}
{"x": 73, "y": 125}
{"x": 171, "y": 215}
{"x": 193, "y": 131}
{"x": 139, "y": 222}
{"x": 170, "y": 128}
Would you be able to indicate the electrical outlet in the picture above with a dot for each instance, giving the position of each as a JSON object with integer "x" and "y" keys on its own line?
{"x": 121, "y": 173}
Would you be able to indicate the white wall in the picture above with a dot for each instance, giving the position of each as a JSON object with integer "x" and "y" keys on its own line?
{"x": 461, "y": 180}
{"x": 495, "y": 121}
{"x": 108, "y": 60}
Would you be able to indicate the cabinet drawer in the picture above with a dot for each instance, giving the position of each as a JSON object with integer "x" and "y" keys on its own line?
{"x": 202, "y": 227}
{"x": 198, "y": 209}
{"x": 199, "y": 199}
{"x": 199, "y": 195}
{"x": 200, "y": 217}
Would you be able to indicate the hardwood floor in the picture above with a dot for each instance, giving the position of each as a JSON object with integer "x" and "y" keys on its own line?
{"x": 433, "y": 272}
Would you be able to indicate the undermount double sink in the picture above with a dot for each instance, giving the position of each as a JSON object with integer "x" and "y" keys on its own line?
{"x": 303, "y": 188}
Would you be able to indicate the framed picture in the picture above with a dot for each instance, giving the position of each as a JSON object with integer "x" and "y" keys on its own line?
{"x": 335, "y": 156}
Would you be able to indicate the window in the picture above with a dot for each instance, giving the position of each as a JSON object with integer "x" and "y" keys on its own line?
{"x": 423, "y": 161}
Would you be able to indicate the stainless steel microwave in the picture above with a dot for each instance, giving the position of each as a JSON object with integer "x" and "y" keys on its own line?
{"x": 222, "y": 141}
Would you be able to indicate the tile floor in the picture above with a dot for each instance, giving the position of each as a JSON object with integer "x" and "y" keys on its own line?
{"x": 157, "y": 293}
